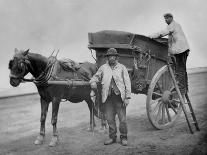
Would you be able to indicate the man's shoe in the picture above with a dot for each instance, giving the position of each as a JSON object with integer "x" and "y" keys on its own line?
{"x": 110, "y": 141}
{"x": 124, "y": 142}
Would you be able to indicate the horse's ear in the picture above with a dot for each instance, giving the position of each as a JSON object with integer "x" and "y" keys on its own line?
{"x": 26, "y": 52}
{"x": 16, "y": 50}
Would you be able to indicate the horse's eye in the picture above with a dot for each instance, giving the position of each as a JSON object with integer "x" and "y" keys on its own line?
{"x": 10, "y": 64}
{"x": 21, "y": 64}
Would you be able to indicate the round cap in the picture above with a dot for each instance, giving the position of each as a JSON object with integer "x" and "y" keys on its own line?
{"x": 111, "y": 52}
{"x": 168, "y": 15}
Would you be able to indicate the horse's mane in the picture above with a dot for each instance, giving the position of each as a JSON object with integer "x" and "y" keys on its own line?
{"x": 39, "y": 62}
{"x": 36, "y": 56}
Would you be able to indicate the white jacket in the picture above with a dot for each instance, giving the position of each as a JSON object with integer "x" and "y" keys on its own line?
{"x": 177, "y": 41}
{"x": 121, "y": 78}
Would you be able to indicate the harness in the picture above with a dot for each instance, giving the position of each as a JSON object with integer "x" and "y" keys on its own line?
{"x": 43, "y": 78}
{"x": 75, "y": 68}
{"x": 46, "y": 74}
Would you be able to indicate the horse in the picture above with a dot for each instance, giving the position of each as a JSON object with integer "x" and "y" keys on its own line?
{"x": 46, "y": 69}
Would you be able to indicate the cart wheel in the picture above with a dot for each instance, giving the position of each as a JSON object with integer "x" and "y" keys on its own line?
{"x": 163, "y": 104}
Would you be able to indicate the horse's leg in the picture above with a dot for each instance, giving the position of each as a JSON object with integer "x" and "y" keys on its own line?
{"x": 103, "y": 128}
{"x": 103, "y": 123}
{"x": 44, "y": 109}
{"x": 92, "y": 120}
{"x": 55, "y": 108}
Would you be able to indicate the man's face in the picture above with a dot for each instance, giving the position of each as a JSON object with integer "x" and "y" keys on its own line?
{"x": 168, "y": 20}
{"x": 112, "y": 59}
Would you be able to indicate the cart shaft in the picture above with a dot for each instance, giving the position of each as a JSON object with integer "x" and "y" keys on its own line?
{"x": 69, "y": 83}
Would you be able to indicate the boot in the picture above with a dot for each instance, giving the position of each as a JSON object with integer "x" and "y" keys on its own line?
{"x": 124, "y": 142}
{"x": 110, "y": 141}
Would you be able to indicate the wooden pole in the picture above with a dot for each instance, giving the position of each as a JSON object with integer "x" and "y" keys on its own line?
{"x": 181, "y": 98}
{"x": 69, "y": 83}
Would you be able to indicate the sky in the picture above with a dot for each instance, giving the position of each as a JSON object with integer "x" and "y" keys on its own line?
{"x": 46, "y": 25}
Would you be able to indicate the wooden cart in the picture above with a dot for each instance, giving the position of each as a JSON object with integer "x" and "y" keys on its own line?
{"x": 151, "y": 73}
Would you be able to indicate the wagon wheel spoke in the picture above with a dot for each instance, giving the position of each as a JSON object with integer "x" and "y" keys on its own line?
{"x": 159, "y": 87}
{"x": 159, "y": 112}
{"x": 157, "y": 106}
{"x": 171, "y": 106}
{"x": 173, "y": 90}
{"x": 163, "y": 114}
{"x": 176, "y": 100}
{"x": 158, "y": 94}
{"x": 168, "y": 114}
{"x": 155, "y": 101}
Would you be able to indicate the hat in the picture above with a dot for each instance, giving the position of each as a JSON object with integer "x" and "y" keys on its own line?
{"x": 168, "y": 15}
{"x": 111, "y": 51}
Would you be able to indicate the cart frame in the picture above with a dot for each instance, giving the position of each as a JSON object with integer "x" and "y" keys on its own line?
{"x": 151, "y": 73}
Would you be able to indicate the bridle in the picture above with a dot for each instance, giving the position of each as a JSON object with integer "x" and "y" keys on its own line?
{"x": 24, "y": 64}
{"x": 42, "y": 78}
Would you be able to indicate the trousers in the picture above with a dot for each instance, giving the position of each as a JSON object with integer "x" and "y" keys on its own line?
{"x": 114, "y": 106}
{"x": 181, "y": 73}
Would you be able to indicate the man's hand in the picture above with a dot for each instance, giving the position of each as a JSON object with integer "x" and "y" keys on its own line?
{"x": 93, "y": 85}
{"x": 126, "y": 102}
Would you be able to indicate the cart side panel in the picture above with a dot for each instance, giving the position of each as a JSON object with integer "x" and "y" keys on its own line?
{"x": 158, "y": 52}
{"x": 134, "y": 51}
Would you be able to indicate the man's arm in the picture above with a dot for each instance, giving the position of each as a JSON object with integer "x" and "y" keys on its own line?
{"x": 127, "y": 83}
{"x": 161, "y": 34}
{"x": 97, "y": 77}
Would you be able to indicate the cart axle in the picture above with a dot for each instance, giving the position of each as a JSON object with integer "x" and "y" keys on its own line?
{"x": 166, "y": 97}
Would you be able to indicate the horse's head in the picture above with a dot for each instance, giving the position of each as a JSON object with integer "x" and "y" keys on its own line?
{"x": 18, "y": 67}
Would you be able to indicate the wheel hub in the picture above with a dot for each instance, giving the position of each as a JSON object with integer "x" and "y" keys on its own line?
{"x": 167, "y": 96}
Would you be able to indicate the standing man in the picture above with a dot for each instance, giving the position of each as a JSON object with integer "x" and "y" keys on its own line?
{"x": 116, "y": 92}
{"x": 178, "y": 47}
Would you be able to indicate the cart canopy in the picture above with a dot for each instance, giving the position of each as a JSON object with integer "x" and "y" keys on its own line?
{"x": 119, "y": 39}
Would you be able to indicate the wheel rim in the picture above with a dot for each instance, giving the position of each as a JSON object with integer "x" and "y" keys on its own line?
{"x": 162, "y": 100}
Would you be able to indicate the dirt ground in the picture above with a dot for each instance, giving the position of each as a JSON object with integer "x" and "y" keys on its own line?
{"x": 19, "y": 126}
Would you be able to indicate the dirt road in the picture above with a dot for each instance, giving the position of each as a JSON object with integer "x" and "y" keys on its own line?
{"x": 19, "y": 126}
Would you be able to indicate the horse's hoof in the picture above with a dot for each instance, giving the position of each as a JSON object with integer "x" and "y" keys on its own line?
{"x": 54, "y": 141}
{"x": 39, "y": 140}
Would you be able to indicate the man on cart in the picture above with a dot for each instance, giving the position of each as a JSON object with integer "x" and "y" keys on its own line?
{"x": 178, "y": 47}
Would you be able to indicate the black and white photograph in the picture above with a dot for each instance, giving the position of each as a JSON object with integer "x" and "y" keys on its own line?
{"x": 103, "y": 77}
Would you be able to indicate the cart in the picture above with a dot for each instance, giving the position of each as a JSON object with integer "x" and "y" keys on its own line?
{"x": 151, "y": 73}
